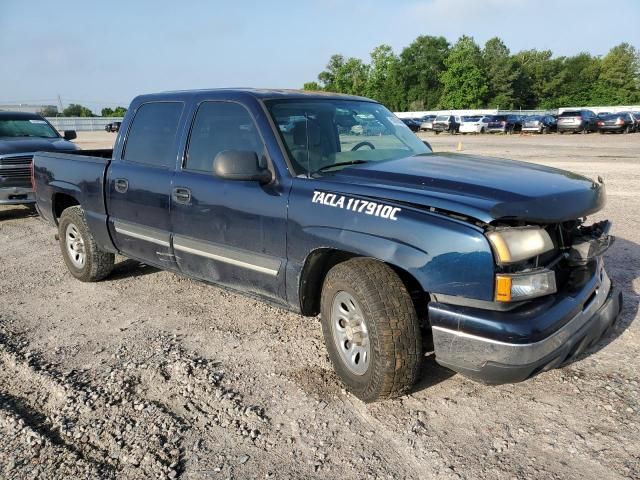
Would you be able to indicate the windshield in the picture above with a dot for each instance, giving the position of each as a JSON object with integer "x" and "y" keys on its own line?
{"x": 470, "y": 119}
{"x": 21, "y": 127}
{"x": 442, "y": 118}
{"x": 322, "y": 136}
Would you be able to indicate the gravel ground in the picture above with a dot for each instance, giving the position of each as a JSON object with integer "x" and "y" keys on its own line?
{"x": 151, "y": 375}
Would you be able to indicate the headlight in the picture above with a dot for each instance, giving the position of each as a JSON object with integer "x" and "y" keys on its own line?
{"x": 512, "y": 245}
{"x": 523, "y": 286}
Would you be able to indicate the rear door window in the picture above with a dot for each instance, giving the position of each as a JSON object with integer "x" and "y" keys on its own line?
{"x": 152, "y": 136}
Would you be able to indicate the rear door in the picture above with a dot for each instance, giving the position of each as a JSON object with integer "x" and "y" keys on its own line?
{"x": 139, "y": 184}
{"x": 228, "y": 231}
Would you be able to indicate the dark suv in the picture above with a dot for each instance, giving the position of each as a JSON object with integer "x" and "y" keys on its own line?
{"x": 573, "y": 121}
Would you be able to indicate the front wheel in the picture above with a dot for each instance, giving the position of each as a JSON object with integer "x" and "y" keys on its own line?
{"x": 84, "y": 258}
{"x": 371, "y": 329}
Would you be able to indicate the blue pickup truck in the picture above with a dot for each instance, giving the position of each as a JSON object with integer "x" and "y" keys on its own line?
{"x": 286, "y": 196}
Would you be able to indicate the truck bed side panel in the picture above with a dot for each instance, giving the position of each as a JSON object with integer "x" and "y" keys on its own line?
{"x": 79, "y": 177}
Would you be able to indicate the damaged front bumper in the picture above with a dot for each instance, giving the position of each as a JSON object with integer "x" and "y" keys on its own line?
{"x": 510, "y": 346}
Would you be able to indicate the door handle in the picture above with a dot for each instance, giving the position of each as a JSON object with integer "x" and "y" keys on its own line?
{"x": 181, "y": 195}
{"x": 121, "y": 185}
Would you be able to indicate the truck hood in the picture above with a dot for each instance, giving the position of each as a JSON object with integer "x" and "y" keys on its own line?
{"x": 15, "y": 145}
{"x": 485, "y": 189}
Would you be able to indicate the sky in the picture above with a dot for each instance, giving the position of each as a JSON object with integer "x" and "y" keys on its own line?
{"x": 105, "y": 52}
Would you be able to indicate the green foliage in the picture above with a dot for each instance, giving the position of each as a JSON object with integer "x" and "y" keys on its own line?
{"x": 75, "y": 110}
{"x": 430, "y": 74}
{"x": 464, "y": 82}
{"x": 314, "y": 86}
{"x": 384, "y": 83}
{"x": 117, "y": 112}
{"x": 49, "y": 111}
{"x": 344, "y": 76}
{"x": 501, "y": 73}
{"x": 421, "y": 66}
{"x": 619, "y": 79}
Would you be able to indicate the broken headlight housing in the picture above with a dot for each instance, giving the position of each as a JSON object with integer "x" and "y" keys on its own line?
{"x": 513, "y": 245}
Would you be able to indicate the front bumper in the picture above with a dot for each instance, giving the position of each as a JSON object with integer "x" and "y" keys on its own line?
{"x": 16, "y": 196}
{"x": 529, "y": 340}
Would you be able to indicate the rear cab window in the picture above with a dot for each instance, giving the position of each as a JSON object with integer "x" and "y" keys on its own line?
{"x": 152, "y": 136}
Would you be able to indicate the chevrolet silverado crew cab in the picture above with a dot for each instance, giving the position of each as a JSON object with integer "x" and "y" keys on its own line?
{"x": 488, "y": 263}
{"x": 22, "y": 134}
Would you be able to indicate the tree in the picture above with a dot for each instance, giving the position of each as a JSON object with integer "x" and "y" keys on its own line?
{"x": 574, "y": 82}
{"x": 464, "y": 82}
{"x": 315, "y": 86}
{"x": 75, "y": 110}
{"x": 500, "y": 73}
{"x": 536, "y": 78}
{"x": 49, "y": 111}
{"x": 118, "y": 112}
{"x": 344, "y": 76}
{"x": 421, "y": 67}
{"x": 384, "y": 83}
{"x": 619, "y": 79}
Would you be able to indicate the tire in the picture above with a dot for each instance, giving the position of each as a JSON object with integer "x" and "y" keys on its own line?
{"x": 627, "y": 129}
{"x": 482, "y": 130}
{"x": 545, "y": 130}
{"x": 393, "y": 342}
{"x": 585, "y": 130}
{"x": 88, "y": 263}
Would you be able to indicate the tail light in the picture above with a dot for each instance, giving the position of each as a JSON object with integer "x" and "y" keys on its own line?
{"x": 600, "y": 122}
{"x": 503, "y": 122}
{"x": 620, "y": 121}
{"x": 579, "y": 119}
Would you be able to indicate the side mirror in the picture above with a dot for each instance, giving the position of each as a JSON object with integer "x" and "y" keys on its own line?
{"x": 240, "y": 165}
{"x": 70, "y": 134}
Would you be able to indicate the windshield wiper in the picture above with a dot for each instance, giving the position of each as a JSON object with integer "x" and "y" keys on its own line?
{"x": 340, "y": 164}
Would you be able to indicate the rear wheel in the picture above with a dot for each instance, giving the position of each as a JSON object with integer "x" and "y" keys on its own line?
{"x": 85, "y": 260}
{"x": 371, "y": 329}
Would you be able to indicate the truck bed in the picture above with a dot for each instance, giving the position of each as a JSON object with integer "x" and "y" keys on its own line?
{"x": 63, "y": 179}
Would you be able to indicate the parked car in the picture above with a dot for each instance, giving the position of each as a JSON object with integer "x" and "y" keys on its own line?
{"x": 446, "y": 123}
{"x": 412, "y": 123}
{"x": 22, "y": 134}
{"x": 112, "y": 127}
{"x": 504, "y": 124}
{"x": 540, "y": 124}
{"x": 574, "y": 121}
{"x": 477, "y": 124}
{"x": 622, "y": 122}
{"x": 491, "y": 260}
{"x": 427, "y": 123}
{"x": 636, "y": 117}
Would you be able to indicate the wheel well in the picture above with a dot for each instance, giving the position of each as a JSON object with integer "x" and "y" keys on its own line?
{"x": 62, "y": 201}
{"x": 320, "y": 261}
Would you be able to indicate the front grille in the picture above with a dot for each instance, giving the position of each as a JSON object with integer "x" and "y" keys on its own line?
{"x": 15, "y": 167}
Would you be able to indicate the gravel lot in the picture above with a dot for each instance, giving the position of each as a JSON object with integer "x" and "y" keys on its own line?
{"x": 152, "y": 375}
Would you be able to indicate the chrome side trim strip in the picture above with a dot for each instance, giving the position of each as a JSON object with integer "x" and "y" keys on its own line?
{"x": 153, "y": 235}
{"x": 231, "y": 256}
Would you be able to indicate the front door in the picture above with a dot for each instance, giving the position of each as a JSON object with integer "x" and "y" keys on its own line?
{"x": 225, "y": 231}
{"x": 139, "y": 185}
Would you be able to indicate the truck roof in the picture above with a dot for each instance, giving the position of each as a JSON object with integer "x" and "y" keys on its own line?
{"x": 260, "y": 93}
